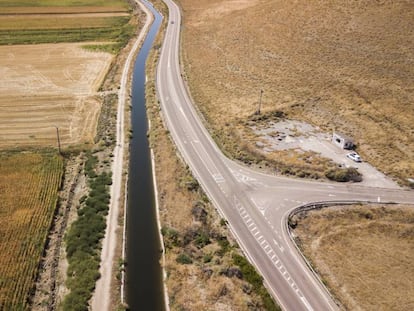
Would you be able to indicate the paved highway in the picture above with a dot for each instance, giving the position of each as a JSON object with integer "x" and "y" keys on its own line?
{"x": 254, "y": 204}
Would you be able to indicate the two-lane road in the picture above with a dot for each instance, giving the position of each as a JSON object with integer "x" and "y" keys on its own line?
{"x": 255, "y": 205}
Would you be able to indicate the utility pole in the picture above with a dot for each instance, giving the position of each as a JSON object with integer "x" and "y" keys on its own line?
{"x": 260, "y": 102}
{"x": 58, "y": 138}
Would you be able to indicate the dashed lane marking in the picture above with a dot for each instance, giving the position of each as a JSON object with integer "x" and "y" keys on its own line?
{"x": 269, "y": 251}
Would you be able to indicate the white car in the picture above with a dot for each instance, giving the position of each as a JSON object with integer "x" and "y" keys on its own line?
{"x": 354, "y": 157}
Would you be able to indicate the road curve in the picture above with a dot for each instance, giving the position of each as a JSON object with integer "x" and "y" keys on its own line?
{"x": 254, "y": 204}
{"x": 102, "y": 294}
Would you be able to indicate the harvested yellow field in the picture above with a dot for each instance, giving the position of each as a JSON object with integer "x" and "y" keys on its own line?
{"x": 47, "y": 86}
{"x": 339, "y": 65}
{"x": 28, "y": 194}
{"x": 364, "y": 254}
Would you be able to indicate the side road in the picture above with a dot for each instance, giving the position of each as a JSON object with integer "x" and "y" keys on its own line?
{"x": 101, "y": 297}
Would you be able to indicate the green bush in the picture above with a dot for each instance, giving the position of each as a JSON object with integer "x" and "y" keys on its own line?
{"x": 190, "y": 183}
{"x": 207, "y": 258}
{"x": 171, "y": 237}
{"x": 344, "y": 174}
{"x": 224, "y": 246}
{"x": 83, "y": 240}
{"x": 90, "y": 166}
{"x": 184, "y": 259}
{"x": 202, "y": 239}
{"x": 250, "y": 275}
{"x": 249, "y": 272}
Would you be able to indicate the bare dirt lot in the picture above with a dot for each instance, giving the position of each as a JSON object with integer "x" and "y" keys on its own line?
{"x": 363, "y": 253}
{"x": 47, "y": 86}
{"x": 345, "y": 66}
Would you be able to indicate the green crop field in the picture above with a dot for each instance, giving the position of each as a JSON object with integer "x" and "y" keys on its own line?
{"x": 115, "y": 29}
{"x": 57, "y": 22}
{"x": 62, "y": 3}
{"x": 48, "y": 21}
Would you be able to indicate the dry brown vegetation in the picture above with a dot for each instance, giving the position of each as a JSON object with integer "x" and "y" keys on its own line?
{"x": 28, "y": 191}
{"x": 340, "y": 65}
{"x": 364, "y": 254}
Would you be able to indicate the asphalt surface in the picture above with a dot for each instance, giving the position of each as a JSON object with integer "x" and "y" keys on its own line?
{"x": 254, "y": 204}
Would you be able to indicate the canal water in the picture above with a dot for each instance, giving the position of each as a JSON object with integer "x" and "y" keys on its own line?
{"x": 144, "y": 286}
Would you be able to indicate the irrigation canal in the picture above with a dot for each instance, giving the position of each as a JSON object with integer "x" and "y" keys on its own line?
{"x": 144, "y": 286}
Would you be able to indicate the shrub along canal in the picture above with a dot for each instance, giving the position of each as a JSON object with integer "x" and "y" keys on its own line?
{"x": 143, "y": 271}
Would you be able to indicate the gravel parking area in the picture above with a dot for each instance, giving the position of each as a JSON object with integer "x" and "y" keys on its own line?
{"x": 291, "y": 134}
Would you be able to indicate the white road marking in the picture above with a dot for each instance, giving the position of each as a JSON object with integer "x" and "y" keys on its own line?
{"x": 218, "y": 178}
{"x": 306, "y": 303}
{"x": 278, "y": 245}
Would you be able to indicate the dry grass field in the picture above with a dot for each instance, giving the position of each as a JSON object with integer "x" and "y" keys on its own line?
{"x": 28, "y": 190}
{"x": 340, "y": 65}
{"x": 364, "y": 254}
{"x": 48, "y": 86}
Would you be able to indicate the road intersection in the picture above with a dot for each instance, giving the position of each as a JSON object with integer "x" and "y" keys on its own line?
{"x": 255, "y": 205}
